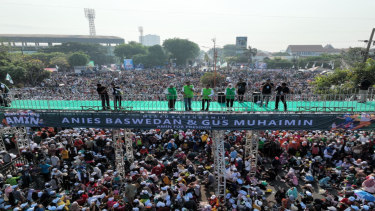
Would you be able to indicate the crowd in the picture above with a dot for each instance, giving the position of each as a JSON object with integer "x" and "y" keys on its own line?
{"x": 73, "y": 169}
{"x": 150, "y": 85}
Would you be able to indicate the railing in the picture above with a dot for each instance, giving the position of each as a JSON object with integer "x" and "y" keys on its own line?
{"x": 12, "y": 167}
{"x": 308, "y": 100}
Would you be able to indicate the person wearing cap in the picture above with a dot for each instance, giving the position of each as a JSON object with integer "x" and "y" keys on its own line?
{"x": 230, "y": 93}
{"x": 207, "y": 93}
{"x": 307, "y": 198}
{"x": 363, "y": 89}
{"x": 12, "y": 180}
{"x": 157, "y": 170}
{"x": 213, "y": 201}
{"x": 281, "y": 95}
{"x": 188, "y": 92}
{"x": 266, "y": 91}
{"x": 171, "y": 94}
{"x": 103, "y": 93}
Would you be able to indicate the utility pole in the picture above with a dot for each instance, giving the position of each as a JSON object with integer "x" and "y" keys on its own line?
{"x": 368, "y": 46}
{"x": 215, "y": 58}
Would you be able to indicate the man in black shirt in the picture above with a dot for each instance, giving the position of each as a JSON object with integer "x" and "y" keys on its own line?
{"x": 281, "y": 95}
{"x": 266, "y": 91}
{"x": 241, "y": 86}
{"x": 116, "y": 95}
{"x": 102, "y": 91}
{"x": 363, "y": 89}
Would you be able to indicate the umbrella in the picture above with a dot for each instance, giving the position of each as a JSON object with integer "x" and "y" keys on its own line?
{"x": 365, "y": 195}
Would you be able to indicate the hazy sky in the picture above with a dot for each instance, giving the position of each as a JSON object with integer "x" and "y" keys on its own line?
{"x": 270, "y": 25}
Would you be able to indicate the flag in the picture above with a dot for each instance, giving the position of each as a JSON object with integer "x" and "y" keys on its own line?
{"x": 293, "y": 67}
{"x": 57, "y": 68}
{"x": 8, "y": 78}
{"x": 218, "y": 64}
{"x": 195, "y": 64}
{"x": 322, "y": 65}
{"x": 306, "y": 65}
{"x": 241, "y": 66}
{"x": 333, "y": 65}
{"x": 313, "y": 65}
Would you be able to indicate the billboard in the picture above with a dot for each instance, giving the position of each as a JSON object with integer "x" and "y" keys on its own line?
{"x": 241, "y": 43}
{"x": 128, "y": 64}
{"x": 24, "y": 118}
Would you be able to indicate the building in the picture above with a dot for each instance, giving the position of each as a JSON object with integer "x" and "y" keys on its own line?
{"x": 149, "y": 40}
{"x": 30, "y": 43}
{"x": 311, "y": 50}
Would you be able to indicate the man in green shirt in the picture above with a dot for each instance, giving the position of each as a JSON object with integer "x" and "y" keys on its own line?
{"x": 207, "y": 93}
{"x": 11, "y": 180}
{"x": 230, "y": 93}
{"x": 171, "y": 94}
{"x": 188, "y": 92}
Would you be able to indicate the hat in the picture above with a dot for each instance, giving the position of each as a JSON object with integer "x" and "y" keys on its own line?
{"x": 61, "y": 207}
{"x": 24, "y": 205}
{"x": 258, "y": 203}
{"x": 308, "y": 193}
{"x": 213, "y": 197}
{"x": 80, "y": 192}
{"x": 366, "y": 207}
{"x": 276, "y": 158}
{"x": 354, "y": 207}
{"x": 351, "y": 198}
{"x": 56, "y": 200}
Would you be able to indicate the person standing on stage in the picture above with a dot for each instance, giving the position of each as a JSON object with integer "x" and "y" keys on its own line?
{"x": 116, "y": 95}
{"x": 363, "y": 89}
{"x": 171, "y": 93}
{"x": 266, "y": 91}
{"x": 188, "y": 92}
{"x": 241, "y": 86}
{"x": 281, "y": 95}
{"x": 207, "y": 93}
{"x": 103, "y": 93}
{"x": 230, "y": 93}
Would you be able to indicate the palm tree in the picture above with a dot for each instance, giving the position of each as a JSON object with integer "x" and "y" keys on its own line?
{"x": 249, "y": 53}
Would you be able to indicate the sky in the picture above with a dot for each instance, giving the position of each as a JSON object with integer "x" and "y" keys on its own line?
{"x": 270, "y": 25}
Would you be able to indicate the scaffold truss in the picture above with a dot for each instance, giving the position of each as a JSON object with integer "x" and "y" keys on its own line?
{"x": 219, "y": 163}
{"x": 129, "y": 145}
{"x": 251, "y": 150}
{"x": 20, "y": 134}
{"x": 119, "y": 152}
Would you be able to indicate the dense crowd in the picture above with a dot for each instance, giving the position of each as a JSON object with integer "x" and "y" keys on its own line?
{"x": 74, "y": 169}
{"x": 150, "y": 85}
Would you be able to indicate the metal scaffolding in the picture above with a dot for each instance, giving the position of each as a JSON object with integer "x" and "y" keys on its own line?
{"x": 119, "y": 152}
{"x": 129, "y": 145}
{"x": 251, "y": 149}
{"x": 219, "y": 163}
{"x": 20, "y": 134}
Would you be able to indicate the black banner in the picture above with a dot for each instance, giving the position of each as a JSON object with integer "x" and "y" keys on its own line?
{"x": 189, "y": 121}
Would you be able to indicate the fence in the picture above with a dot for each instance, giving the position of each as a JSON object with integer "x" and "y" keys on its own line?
{"x": 12, "y": 167}
{"x": 309, "y": 100}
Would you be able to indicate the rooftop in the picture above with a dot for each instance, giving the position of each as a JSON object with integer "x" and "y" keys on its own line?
{"x": 46, "y": 38}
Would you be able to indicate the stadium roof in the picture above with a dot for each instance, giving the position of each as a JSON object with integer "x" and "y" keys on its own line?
{"x": 50, "y": 38}
{"x": 307, "y": 48}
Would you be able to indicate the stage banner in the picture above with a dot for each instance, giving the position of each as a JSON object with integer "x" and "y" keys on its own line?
{"x": 189, "y": 121}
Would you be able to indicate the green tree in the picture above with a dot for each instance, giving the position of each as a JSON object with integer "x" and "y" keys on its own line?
{"x": 281, "y": 54}
{"x": 206, "y": 58}
{"x": 60, "y": 61}
{"x": 141, "y": 59}
{"x": 97, "y": 53}
{"x": 182, "y": 49}
{"x": 17, "y": 73}
{"x": 78, "y": 59}
{"x": 156, "y": 55}
{"x": 208, "y": 78}
{"x": 249, "y": 53}
{"x": 35, "y": 71}
{"x": 126, "y": 51}
{"x": 229, "y": 50}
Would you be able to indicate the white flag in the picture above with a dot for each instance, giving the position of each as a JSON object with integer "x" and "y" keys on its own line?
{"x": 322, "y": 65}
{"x": 313, "y": 65}
{"x": 333, "y": 65}
{"x": 293, "y": 67}
{"x": 8, "y": 78}
{"x": 306, "y": 65}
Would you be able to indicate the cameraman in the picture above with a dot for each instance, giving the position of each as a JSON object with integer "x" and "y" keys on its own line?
{"x": 266, "y": 91}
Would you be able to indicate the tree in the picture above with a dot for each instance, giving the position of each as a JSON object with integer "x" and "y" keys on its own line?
{"x": 208, "y": 78}
{"x": 182, "y": 49}
{"x": 249, "y": 53}
{"x": 141, "y": 59}
{"x": 17, "y": 73}
{"x": 229, "y": 50}
{"x": 128, "y": 50}
{"x": 35, "y": 71}
{"x": 281, "y": 54}
{"x": 60, "y": 61}
{"x": 97, "y": 53}
{"x": 78, "y": 59}
{"x": 156, "y": 55}
{"x": 206, "y": 58}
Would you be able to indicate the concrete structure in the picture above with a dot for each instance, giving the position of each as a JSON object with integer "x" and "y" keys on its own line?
{"x": 149, "y": 40}
{"x": 311, "y": 50}
{"x": 29, "y": 43}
